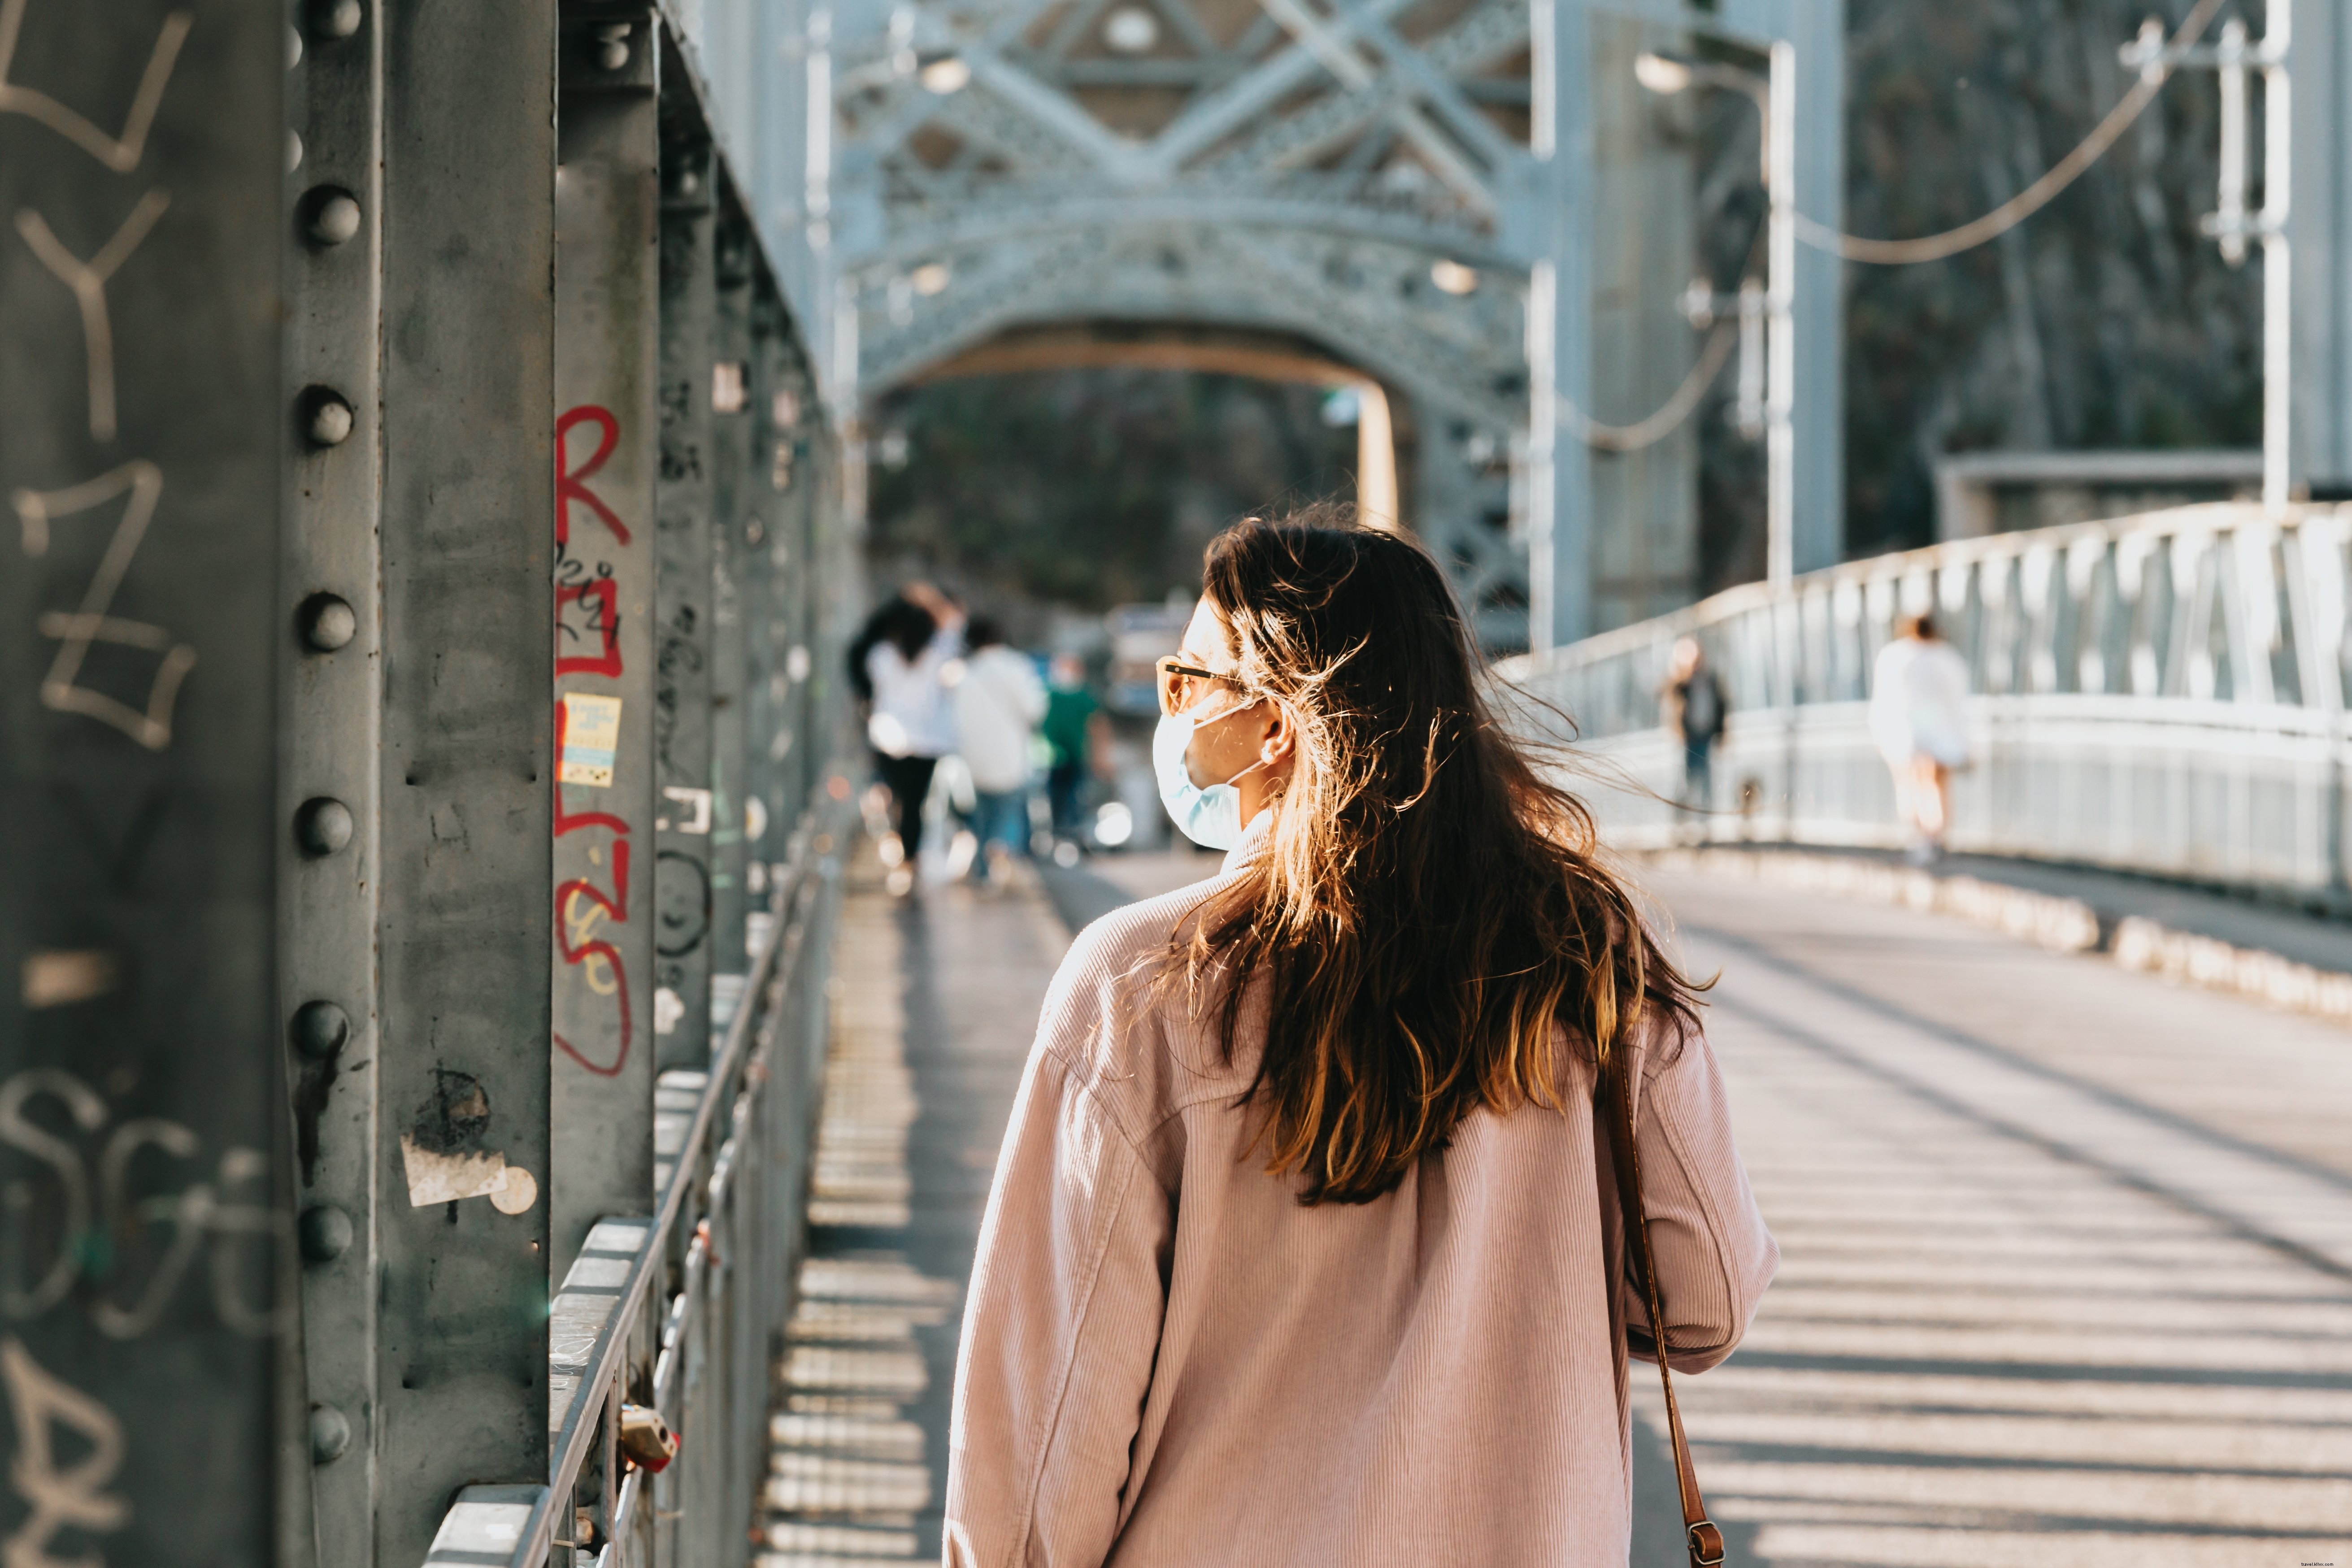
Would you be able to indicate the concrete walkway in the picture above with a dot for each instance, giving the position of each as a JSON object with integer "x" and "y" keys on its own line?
{"x": 2067, "y": 1272}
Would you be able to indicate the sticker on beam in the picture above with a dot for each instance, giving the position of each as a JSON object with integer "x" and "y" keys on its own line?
{"x": 446, "y": 1178}
{"x": 591, "y": 737}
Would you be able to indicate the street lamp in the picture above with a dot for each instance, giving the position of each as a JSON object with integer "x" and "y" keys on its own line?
{"x": 1775, "y": 98}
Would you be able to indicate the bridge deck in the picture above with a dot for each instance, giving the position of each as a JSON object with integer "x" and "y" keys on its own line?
{"x": 2068, "y": 1252}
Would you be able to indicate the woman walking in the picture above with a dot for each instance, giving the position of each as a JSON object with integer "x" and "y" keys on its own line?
{"x": 1305, "y": 1245}
{"x": 896, "y": 669}
{"x": 1919, "y": 716}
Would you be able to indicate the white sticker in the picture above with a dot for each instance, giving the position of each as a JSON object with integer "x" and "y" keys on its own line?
{"x": 592, "y": 739}
{"x": 669, "y": 1008}
{"x": 446, "y": 1178}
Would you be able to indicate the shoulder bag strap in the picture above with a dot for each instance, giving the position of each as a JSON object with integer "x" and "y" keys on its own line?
{"x": 1699, "y": 1533}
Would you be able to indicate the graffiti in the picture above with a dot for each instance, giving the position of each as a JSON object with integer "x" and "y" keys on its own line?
{"x": 143, "y": 483}
{"x": 88, "y": 280}
{"x": 579, "y": 907}
{"x": 119, "y": 153}
{"x": 73, "y": 1496}
{"x": 684, "y": 918}
{"x": 105, "y": 1233}
{"x": 600, "y": 600}
{"x": 571, "y": 485}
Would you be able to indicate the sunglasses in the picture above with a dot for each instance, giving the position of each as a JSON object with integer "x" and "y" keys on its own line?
{"x": 1180, "y": 684}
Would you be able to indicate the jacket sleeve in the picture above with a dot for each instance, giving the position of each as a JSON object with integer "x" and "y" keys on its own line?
{"x": 1060, "y": 1328}
{"x": 1714, "y": 1256}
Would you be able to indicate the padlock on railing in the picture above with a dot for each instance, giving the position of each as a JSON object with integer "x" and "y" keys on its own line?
{"x": 646, "y": 1440}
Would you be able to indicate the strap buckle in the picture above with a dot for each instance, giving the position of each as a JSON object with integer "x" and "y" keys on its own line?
{"x": 1705, "y": 1544}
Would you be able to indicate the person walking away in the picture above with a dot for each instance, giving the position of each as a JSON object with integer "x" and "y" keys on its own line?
{"x": 1079, "y": 736}
{"x": 998, "y": 700}
{"x": 1306, "y": 1245}
{"x": 1694, "y": 708}
{"x": 896, "y": 665}
{"x": 1919, "y": 716}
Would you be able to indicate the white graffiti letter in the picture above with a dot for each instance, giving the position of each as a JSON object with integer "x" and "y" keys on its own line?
{"x": 144, "y": 483}
{"x": 88, "y": 282}
{"x": 188, "y": 1213}
{"x": 89, "y": 1113}
{"x": 59, "y": 1498}
{"x": 119, "y": 153}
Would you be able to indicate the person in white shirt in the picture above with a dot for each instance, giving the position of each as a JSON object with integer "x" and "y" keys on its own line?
{"x": 998, "y": 702}
{"x": 1918, "y": 714}
{"x": 897, "y": 666}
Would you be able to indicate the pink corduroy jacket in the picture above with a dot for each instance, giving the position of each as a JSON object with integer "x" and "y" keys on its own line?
{"x": 1167, "y": 1363}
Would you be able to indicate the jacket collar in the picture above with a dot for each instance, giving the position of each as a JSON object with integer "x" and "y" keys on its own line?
{"x": 1252, "y": 843}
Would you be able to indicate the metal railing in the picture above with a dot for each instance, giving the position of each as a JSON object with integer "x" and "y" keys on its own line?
{"x": 681, "y": 1311}
{"x": 2162, "y": 693}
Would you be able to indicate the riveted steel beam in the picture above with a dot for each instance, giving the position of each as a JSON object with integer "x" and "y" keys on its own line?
{"x": 143, "y": 1160}
{"x": 682, "y": 599}
{"x": 606, "y": 336}
{"x": 467, "y": 779}
{"x": 732, "y": 497}
{"x": 331, "y": 626}
{"x": 778, "y": 630}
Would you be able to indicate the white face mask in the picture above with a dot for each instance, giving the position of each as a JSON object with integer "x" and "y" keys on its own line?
{"x": 1210, "y": 817}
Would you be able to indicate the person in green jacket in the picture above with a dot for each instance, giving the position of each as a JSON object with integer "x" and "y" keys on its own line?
{"x": 1078, "y": 733}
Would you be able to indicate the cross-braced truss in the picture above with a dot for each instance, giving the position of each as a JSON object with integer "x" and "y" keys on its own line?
{"x": 1346, "y": 170}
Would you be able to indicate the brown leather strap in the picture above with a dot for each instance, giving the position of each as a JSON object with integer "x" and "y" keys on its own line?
{"x": 1704, "y": 1541}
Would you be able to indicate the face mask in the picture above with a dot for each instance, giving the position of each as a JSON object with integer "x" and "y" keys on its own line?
{"x": 1210, "y": 817}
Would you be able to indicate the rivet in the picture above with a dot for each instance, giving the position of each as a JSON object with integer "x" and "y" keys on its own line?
{"x": 334, "y": 215}
{"x": 335, "y": 18}
{"x": 293, "y": 151}
{"x": 293, "y": 48}
{"x": 330, "y": 1433}
{"x": 328, "y": 623}
{"x": 323, "y": 826}
{"x": 328, "y": 420}
{"x": 324, "y": 1232}
{"x": 320, "y": 1029}
{"x": 612, "y": 46}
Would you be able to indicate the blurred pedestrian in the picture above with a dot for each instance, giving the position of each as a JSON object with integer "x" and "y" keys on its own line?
{"x": 1693, "y": 707}
{"x": 1079, "y": 734}
{"x": 895, "y": 667}
{"x": 998, "y": 700}
{"x": 1919, "y": 716}
{"x": 1301, "y": 1248}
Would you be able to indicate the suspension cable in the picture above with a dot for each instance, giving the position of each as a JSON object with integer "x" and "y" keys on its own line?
{"x": 2035, "y": 197}
{"x": 1670, "y": 414}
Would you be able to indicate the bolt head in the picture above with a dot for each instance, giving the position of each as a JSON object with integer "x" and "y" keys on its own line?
{"x": 323, "y": 826}
{"x": 334, "y": 19}
{"x": 324, "y": 1232}
{"x": 334, "y": 215}
{"x": 330, "y": 1433}
{"x": 328, "y": 623}
{"x": 611, "y": 54}
{"x": 320, "y": 1029}
{"x": 330, "y": 421}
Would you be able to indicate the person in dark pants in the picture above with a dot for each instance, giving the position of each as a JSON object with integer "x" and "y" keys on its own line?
{"x": 895, "y": 668}
{"x": 1693, "y": 707}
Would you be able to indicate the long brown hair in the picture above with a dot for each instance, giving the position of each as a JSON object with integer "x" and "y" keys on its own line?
{"x": 1430, "y": 905}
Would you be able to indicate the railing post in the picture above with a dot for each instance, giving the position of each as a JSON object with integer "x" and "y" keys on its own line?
{"x": 682, "y": 606}
{"x": 467, "y": 423}
{"x": 607, "y": 330}
{"x": 140, "y": 434}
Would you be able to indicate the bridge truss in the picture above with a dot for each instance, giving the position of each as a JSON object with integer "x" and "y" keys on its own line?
{"x": 1378, "y": 176}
